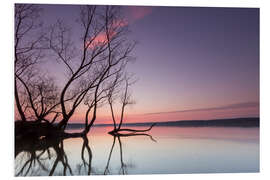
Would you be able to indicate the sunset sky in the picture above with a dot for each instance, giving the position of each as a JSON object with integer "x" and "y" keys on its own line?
{"x": 192, "y": 63}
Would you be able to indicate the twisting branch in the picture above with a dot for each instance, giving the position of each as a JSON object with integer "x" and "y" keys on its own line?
{"x": 134, "y": 130}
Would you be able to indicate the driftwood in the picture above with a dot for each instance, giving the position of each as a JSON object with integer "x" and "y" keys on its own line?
{"x": 129, "y": 132}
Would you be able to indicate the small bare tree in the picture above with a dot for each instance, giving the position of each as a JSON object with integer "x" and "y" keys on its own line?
{"x": 126, "y": 99}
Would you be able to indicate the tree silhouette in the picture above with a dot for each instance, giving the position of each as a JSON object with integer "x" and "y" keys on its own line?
{"x": 93, "y": 65}
{"x": 28, "y": 54}
{"x": 90, "y": 66}
{"x": 126, "y": 99}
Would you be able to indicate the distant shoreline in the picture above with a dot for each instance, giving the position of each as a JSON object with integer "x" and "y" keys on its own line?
{"x": 233, "y": 122}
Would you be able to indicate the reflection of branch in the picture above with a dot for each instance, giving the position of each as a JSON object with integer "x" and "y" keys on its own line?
{"x": 54, "y": 166}
{"x": 86, "y": 146}
{"x": 123, "y": 168}
{"x": 136, "y": 134}
{"x": 38, "y": 152}
{"x": 109, "y": 158}
{"x": 61, "y": 156}
{"x": 31, "y": 159}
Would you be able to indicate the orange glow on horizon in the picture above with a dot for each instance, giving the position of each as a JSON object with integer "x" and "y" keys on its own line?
{"x": 105, "y": 118}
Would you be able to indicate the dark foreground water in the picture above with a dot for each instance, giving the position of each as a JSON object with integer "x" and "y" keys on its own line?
{"x": 169, "y": 150}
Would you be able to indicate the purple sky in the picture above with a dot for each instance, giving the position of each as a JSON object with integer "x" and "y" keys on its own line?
{"x": 188, "y": 59}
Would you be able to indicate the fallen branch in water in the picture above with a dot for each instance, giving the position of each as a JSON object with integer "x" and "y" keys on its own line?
{"x": 135, "y": 130}
{"x": 132, "y": 132}
{"x": 135, "y": 134}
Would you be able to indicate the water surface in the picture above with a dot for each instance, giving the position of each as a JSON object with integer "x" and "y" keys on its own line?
{"x": 169, "y": 150}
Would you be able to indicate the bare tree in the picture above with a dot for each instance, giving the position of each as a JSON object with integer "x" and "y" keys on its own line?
{"x": 126, "y": 99}
{"x": 28, "y": 53}
{"x": 91, "y": 61}
{"x": 36, "y": 93}
{"x": 105, "y": 53}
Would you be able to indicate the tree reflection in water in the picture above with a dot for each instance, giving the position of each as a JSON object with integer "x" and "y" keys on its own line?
{"x": 124, "y": 166}
{"x": 43, "y": 157}
{"x": 34, "y": 158}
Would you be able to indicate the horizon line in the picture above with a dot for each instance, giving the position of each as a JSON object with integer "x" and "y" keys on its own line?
{"x": 251, "y": 117}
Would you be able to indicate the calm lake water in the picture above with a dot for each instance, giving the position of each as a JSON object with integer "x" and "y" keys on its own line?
{"x": 172, "y": 150}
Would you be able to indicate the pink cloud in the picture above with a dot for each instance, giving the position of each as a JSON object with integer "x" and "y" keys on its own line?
{"x": 138, "y": 12}
{"x": 101, "y": 38}
{"x": 134, "y": 13}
